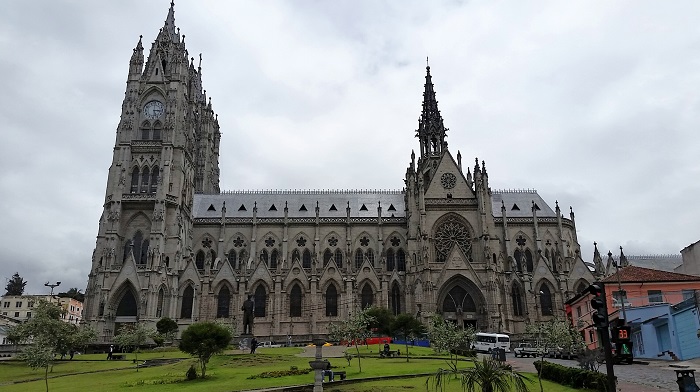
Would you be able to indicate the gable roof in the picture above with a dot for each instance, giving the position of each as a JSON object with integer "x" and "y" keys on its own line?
{"x": 634, "y": 274}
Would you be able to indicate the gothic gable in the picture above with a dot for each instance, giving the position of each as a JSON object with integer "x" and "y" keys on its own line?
{"x": 448, "y": 181}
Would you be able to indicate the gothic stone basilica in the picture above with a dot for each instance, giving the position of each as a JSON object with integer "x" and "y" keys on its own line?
{"x": 170, "y": 244}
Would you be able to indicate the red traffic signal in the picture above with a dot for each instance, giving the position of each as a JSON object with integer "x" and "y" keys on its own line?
{"x": 600, "y": 314}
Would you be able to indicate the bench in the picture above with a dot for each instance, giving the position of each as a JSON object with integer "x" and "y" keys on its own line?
{"x": 335, "y": 374}
{"x": 390, "y": 354}
{"x": 118, "y": 357}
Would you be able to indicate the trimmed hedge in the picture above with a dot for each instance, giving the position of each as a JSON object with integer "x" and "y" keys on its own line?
{"x": 573, "y": 377}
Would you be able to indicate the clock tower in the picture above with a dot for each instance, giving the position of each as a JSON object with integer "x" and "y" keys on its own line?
{"x": 166, "y": 150}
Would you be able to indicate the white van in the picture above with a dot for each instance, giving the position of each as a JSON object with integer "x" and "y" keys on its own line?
{"x": 486, "y": 342}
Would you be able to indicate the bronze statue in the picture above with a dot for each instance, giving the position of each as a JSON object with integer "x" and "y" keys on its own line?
{"x": 248, "y": 315}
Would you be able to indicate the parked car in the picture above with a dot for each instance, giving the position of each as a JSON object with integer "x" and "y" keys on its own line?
{"x": 268, "y": 344}
{"x": 527, "y": 350}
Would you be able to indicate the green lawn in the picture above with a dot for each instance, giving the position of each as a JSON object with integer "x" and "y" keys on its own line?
{"x": 228, "y": 372}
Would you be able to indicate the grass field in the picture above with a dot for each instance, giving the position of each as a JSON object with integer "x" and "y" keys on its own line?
{"x": 228, "y": 372}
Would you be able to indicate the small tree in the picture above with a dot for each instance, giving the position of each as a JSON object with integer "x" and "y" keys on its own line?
{"x": 46, "y": 334}
{"x": 204, "y": 340}
{"x": 133, "y": 336}
{"x": 15, "y": 286}
{"x": 447, "y": 337}
{"x": 167, "y": 327}
{"x": 552, "y": 335}
{"x": 408, "y": 327}
{"x": 354, "y": 329}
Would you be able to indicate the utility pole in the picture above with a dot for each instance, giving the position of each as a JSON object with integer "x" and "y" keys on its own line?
{"x": 600, "y": 320}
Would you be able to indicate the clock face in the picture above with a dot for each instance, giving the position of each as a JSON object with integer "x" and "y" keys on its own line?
{"x": 153, "y": 110}
{"x": 448, "y": 180}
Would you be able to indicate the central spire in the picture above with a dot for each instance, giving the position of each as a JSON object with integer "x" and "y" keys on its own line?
{"x": 169, "y": 27}
{"x": 431, "y": 130}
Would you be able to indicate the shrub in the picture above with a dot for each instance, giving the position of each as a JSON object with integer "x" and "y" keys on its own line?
{"x": 191, "y": 373}
{"x": 576, "y": 378}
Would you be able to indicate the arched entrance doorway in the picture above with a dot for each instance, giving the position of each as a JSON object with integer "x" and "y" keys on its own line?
{"x": 463, "y": 303}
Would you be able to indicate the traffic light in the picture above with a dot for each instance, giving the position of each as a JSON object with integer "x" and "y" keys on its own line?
{"x": 600, "y": 309}
{"x": 623, "y": 344}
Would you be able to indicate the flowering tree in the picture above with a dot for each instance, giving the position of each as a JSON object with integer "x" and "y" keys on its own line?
{"x": 355, "y": 329}
{"x": 552, "y": 335}
{"x": 447, "y": 337}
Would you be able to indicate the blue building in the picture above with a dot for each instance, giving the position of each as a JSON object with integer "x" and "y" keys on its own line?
{"x": 664, "y": 331}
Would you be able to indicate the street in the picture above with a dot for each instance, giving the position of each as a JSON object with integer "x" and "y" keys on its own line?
{"x": 656, "y": 376}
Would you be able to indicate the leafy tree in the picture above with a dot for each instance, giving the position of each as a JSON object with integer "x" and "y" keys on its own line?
{"x": 47, "y": 336}
{"x": 354, "y": 329}
{"x": 204, "y": 340}
{"x": 15, "y": 286}
{"x": 381, "y": 320}
{"x": 408, "y": 327}
{"x": 74, "y": 293}
{"x": 489, "y": 374}
{"x": 167, "y": 327}
{"x": 447, "y": 337}
{"x": 555, "y": 334}
{"x": 133, "y": 336}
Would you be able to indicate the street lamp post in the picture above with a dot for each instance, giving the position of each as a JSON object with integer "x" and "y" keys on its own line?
{"x": 52, "y": 285}
{"x": 622, "y": 293}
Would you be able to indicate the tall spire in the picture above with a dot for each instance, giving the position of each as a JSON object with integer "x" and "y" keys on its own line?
{"x": 431, "y": 130}
{"x": 170, "y": 22}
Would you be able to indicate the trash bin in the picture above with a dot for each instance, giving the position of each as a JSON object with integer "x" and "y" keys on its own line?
{"x": 502, "y": 354}
{"x": 686, "y": 381}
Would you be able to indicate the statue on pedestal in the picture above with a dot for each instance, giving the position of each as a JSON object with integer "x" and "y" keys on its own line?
{"x": 248, "y": 315}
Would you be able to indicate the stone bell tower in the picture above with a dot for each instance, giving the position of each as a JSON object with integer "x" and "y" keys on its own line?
{"x": 166, "y": 150}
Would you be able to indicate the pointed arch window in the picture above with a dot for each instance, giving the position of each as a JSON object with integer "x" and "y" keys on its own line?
{"x": 144, "y": 252}
{"x": 145, "y": 131}
{"x": 546, "y": 301}
{"x": 517, "y": 257}
{"x": 242, "y": 258}
{"x": 145, "y": 177}
{"x": 260, "y": 299}
{"x": 370, "y": 256}
{"x": 400, "y": 260}
{"x": 273, "y": 259}
{"x": 295, "y": 300}
{"x": 306, "y": 259}
{"x": 359, "y": 258}
{"x": 390, "y": 260}
{"x": 160, "y": 303}
{"x": 581, "y": 287}
{"x": 157, "y": 130}
{"x": 187, "y": 302}
{"x": 551, "y": 261}
{"x": 223, "y": 303}
{"x": 138, "y": 247}
{"x": 127, "y": 305}
{"x": 232, "y": 258}
{"x": 367, "y": 299}
{"x": 395, "y": 299}
{"x": 154, "y": 179}
{"x": 327, "y": 256}
{"x": 135, "y": 180}
{"x": 199, "y": 260}
{"x": 458, "y": 299}
{"x": 295, "y": 255}
{"x": 264, "y": 256}
{"x": 528, "y": 260}
{"x": 331, "y": 301}
{"x": 339, "y": 258}
{"x": 517, "y": 298}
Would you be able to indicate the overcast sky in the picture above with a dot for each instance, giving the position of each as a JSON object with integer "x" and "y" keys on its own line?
{"x": 594, "y": 104}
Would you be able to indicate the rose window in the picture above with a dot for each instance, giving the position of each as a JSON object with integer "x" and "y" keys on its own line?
{"x": 449, "y": 234}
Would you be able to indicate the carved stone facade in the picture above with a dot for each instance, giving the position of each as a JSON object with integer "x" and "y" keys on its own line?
{"x": 170, "y": 244}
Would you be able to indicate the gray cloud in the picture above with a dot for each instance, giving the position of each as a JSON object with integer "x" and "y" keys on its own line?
{"x": 594, "y": 104}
